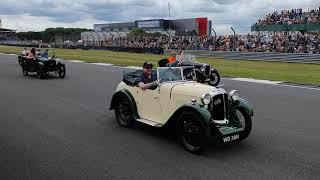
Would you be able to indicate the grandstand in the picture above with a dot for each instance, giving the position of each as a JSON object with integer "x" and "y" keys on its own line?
{"x": 177, "y": 27}
{"x": 7, "y": 34}
{"x": 289, "y": 21}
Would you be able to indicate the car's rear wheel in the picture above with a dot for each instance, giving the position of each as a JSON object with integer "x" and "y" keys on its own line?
{"x": 124, "y": 112}
{"x": 62, "y": 71}
{"x": 246, "y": 122}
{"x": 20, "y": 60}
{"x": 191, "y": 132}
{"x": 214, "y": 78}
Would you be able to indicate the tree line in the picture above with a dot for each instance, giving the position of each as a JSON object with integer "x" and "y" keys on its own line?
{"x": 53, "y": 34}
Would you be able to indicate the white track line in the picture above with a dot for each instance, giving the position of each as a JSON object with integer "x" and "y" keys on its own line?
{"x": 257, "y": 81}
{"x": 76, "y": 61}
{"x": 275, "y": 83}
{"x": 301, "y": 87}
{"x": 102, "y": 64}
{"x": 132, "y": 67}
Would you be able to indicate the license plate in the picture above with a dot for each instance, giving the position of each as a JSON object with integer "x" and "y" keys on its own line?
{"x": 231, "y": 138}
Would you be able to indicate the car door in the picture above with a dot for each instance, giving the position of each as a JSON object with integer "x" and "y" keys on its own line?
{"x": 148, "y": 105}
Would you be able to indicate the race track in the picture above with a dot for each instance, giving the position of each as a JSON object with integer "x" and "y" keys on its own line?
{"x": 61, "y": 129}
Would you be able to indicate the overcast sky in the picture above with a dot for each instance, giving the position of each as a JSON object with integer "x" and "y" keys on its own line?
{"x": 41, "y": 14}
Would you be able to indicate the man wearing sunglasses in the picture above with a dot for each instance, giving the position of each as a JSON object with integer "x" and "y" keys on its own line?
{"x": 147, "y": 80}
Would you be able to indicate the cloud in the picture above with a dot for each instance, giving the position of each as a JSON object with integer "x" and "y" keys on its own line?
{"x": 40, "y": 14}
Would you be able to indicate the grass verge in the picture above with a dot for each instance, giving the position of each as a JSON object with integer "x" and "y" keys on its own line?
{"x": 277, "y": 71}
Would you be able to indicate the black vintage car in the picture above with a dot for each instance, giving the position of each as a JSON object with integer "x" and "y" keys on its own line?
{"x": 42, "y": 66}
{"x": 194, "y": 70}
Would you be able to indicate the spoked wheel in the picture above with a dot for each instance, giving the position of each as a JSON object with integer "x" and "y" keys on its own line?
{"x": 40, "y": 73}
{"x": 191, "y": 132}
{"x": 124, "y": 113}
{"x": 62, "y": 71}
{"x": 214, "y": 78}
{"x": 245, "y": 120}
{"x": 25, "y": 72}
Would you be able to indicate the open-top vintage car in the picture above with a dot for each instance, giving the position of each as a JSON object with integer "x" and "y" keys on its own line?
{"x": 201, "y": 113}
{"x": 194, "y": 70}
{"x": 42, "y": 65}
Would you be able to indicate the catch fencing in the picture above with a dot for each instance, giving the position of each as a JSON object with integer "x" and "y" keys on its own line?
{"x": 260, "y": 56}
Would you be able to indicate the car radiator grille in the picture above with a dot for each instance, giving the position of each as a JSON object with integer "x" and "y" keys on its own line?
{"x": 219, "y": 107}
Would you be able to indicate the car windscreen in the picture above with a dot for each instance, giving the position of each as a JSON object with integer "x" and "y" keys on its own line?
{"x": 188, "y": 57}
{"x": 169, "y": 74}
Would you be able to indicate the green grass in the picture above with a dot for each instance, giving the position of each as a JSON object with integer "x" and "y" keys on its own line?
{"x": 288, "y": 72}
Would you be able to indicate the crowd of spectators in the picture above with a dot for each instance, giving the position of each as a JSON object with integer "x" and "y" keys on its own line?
{"x": 294, "y": 42}
{"x": 294, "y": 16}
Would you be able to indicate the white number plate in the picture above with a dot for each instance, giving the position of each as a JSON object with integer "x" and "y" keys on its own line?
{"x": 231, "y": 138}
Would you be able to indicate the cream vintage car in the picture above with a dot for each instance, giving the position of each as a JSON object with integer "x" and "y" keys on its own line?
{"x": 201, "y": 113}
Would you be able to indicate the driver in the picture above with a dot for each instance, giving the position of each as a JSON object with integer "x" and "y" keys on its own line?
{"x": 147, "y": 80}
{"x": 25, "y": 51}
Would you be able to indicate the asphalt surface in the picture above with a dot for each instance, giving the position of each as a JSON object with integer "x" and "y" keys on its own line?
{"x": 61, "y": 129}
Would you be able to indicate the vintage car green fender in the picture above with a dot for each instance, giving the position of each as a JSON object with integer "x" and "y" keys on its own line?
{"x": 245, "y": 105}
{"x": 127, "y": 94}
{"x": 206, "y": 116}
{"x": 203, "y": 112}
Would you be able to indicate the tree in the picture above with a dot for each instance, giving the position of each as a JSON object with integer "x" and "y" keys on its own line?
{"x": 137, "y": 32}
{"x": 53, "y": 34}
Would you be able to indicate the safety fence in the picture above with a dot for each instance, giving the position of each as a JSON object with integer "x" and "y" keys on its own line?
{"x": 260, "y": 56}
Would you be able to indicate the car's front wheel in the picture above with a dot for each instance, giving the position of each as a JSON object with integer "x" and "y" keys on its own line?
{"x": 24, "y": 71}
{"x": 191, "y": 132}
{"x": 62, "y": 71}
{"x": 246, "y": 122}
{"x": 124, "y": 113}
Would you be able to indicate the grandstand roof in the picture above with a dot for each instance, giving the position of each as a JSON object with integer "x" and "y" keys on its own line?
{"x": 7, "y": 30}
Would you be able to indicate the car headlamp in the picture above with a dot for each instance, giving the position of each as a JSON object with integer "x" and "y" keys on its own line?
{"x": 234, "y": 95}
{"x": 206, "y": 99}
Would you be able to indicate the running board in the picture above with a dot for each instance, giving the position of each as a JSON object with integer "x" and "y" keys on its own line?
{"x": 151, "y": 123}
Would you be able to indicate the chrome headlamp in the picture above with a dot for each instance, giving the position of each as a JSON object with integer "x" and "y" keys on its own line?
{"x": 234, "y": 95}
{"x": 206, "y": 99}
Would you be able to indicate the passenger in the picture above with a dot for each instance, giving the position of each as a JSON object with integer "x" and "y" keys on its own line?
{"x": 45, "y": 54}
{"x": 32, "y": 54}
{"x": 178, "y": 61}
{"x": 172, "y": 58}
{"x": 38, "y": 53}
{"x": 147, "y": 80}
